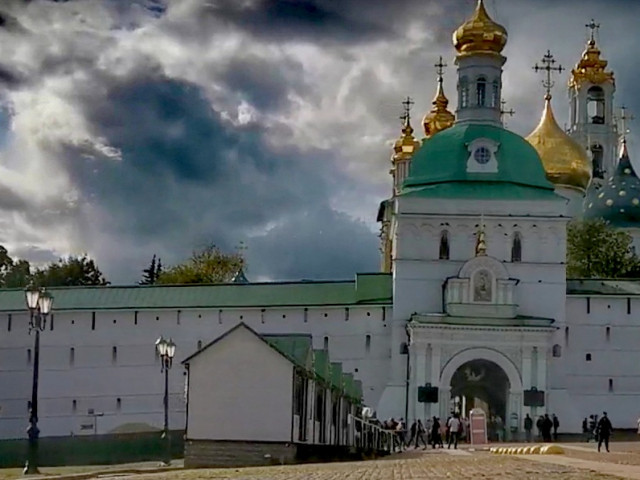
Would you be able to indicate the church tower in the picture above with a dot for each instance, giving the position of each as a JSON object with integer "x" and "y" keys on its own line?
{"x": 591, "y": 91}
{"x": 479, "y": 42}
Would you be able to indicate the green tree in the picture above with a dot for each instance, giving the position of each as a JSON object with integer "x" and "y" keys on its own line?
{"x": 70, "y": 271}
{"x": 596, "y": 250}
{"x": 152, "y": 272}
{"x": 209, "y": 265}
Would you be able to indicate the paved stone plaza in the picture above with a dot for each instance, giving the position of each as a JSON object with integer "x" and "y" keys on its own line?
{"x": 581, "y": 462}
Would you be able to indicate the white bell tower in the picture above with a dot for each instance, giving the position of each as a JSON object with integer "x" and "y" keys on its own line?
{"x": 591, "y": 91}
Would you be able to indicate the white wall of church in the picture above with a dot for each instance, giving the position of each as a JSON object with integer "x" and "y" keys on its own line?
{"x": 126, "y": 385}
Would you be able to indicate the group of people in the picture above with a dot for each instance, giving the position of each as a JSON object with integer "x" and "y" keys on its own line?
{"x": 599, "y": 429}
{"x": 545, "y": 426}
{"x": 434, "y": 433}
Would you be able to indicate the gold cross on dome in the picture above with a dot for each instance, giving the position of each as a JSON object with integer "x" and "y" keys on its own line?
{"x": 407, "y": 104}
{"x": 440, "y": 67}
{"x": 548, "y": 63}
{"x": 593, "y": 27}
{"x": 503, "y": 111}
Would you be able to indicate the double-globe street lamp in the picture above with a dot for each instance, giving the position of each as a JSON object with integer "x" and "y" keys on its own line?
{"x": 39, "y": 303}
{"x": 166, "y": 350}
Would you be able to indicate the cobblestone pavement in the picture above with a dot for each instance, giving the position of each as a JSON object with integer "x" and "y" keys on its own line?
{"x": 411, "y": 466}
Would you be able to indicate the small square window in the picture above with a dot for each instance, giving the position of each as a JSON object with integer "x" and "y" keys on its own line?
{"x": 588, "y": 357}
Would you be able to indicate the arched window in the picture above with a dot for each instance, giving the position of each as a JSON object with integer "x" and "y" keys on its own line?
{"x": 516, "y": 248}
{"x": 464, "y": 92}
{"x": 574, "y": 108}
{"x": 495, "y": 94}
{"x": 556, "y": 351}
{"x": 444, "y": 246}
{"x": 481, "y": 91}
{"x": 595, "y": 105}
{"x": 597, "y": 153}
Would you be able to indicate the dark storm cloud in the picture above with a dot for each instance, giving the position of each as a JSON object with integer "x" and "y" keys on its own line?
{"x": 332, "y": 22}
{"x": 263, "y": 83}
{"x": 327, "y": 245}
{"x": 190, "y": 177}
{"x": 10, "y": 78}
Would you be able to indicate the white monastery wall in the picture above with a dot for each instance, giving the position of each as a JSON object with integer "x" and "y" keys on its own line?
{"x": 91, "y": 376}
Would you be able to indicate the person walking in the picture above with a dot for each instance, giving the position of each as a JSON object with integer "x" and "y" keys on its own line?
{"x": 585, "y": 428}
{"x": 539, "y": 424}
{"x": 556, "y": 424}
{"x": 420, "y": 431}
{"x": 547, "y": 425}
{"x": 638, "y": 425}
{"x": 528, "y": 426}
{"x": 435, "y": 432}
{"x": 412, "y": 432}
{"x": 604, "y": 430}
{"x": 454, "y": 425}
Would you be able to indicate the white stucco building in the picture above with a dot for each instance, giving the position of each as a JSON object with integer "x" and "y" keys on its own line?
{"x": 473, "y": 297}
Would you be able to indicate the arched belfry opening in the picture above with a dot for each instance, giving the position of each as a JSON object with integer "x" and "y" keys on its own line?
{"x": 480, "y": 384}
{"x": 595, "y": 105}
{"x": 597, "y": 153}
{"x": 481, "y": 91}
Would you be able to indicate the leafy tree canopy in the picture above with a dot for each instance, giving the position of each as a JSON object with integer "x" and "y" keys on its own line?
{"x": 68, "y": 271}
{"x": 597, "y": 250}
{"x": 208, "y": 265}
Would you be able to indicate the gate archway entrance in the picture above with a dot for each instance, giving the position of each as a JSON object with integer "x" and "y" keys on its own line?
{"x": 480, "y": 384}
{"x": 503, "y": 398}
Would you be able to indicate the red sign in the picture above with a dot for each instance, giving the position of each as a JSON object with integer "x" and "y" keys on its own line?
{"x": 478, "y": 427}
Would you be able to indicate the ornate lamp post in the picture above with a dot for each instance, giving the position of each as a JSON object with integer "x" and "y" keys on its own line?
{"x": 166, "y": 350}
{"x": 39, "y": 303}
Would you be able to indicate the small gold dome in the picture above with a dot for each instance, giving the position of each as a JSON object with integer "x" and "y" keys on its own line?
{"x": 590, "y": 68}
{"x": 406, "y": 145}
{"x": 564, "y": 160}
{"x": 439, "y": 118}
{"x": 480, "y": 34}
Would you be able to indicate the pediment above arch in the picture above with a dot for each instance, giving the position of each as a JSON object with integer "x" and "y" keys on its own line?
{"x": 483, "y": 262}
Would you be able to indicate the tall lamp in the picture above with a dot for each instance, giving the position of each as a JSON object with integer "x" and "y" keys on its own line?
{"x": 166, "y": 350}
{"x": 39, "y": 303}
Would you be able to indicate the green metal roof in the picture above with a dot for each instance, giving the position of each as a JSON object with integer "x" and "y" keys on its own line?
{"x": 475, "y": 190}
{"x": 336, "y": 376}
{"x": 296, "y": 347}
{"x": 596, "y": 286}
{"x": 443, "y": 159}
{"x": 321, "y": 365}
{"x": 365, "y": 289}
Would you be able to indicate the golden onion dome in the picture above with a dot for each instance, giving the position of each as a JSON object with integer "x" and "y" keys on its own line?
{"x": 591, "y": 68}
{"x": 565, "y": 162}
{"x": 406, "y": 145}
{"x": 439, "y": 118}
{"x": 480, "y": 34}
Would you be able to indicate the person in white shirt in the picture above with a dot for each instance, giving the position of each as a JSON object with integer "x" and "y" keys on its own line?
{"x": 454, "y": 425}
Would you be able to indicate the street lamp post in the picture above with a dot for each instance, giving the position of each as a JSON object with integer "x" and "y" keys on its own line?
{"x": 166, "y": 350}
{"x": 39, "y": 303}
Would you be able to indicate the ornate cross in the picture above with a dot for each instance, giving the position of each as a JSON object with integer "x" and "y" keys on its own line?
{"x": 503, "y": 111}
{"x": 593, "y": 26}
{"x": 624, "y": 116}
{"x": 548, "y": 63}
{"x": 407, "y": 104}
{"x": 440, "y": 67}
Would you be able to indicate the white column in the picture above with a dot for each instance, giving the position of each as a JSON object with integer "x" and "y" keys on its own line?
{"x": 420, "y": 378}
{"x": 436, "y": 352}
{"x": 542, "y": 372}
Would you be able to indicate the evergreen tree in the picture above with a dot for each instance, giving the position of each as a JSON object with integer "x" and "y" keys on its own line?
{"x": 150, "y": 274}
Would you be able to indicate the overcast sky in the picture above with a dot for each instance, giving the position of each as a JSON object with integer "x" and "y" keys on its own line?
{"x": 134, "y": 127}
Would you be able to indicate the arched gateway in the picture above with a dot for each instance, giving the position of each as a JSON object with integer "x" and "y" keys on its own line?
{"x": 485, "y": 378}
